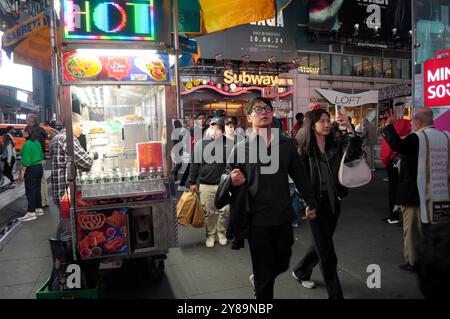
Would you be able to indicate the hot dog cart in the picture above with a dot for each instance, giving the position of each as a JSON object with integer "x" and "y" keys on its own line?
{"x": 114, "y": 62}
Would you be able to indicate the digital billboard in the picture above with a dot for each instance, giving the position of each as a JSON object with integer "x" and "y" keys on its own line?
{"x": 376, "y": 20}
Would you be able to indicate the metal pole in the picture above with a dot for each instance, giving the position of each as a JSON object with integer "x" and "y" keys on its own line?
{"x": 54, "y": 57}
{"x": 176, "y": 44}
{"x": 413, "y": 54}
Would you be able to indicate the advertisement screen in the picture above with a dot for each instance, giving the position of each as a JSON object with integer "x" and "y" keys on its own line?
{"x": 379, "y": 20}
{"x": 15, "y": 75}
{"x": 82, "y": 67}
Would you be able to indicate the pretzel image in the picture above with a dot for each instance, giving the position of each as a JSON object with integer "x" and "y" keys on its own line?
{"x": 91, "y": 221}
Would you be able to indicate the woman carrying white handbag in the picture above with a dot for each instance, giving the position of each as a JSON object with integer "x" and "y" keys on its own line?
{"x": 322, "y": 156}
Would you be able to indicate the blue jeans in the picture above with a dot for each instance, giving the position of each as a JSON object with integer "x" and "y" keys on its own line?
{"x": 295, "y": 202}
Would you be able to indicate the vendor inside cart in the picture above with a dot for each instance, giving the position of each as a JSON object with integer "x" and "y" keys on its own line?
{"x": 58, "y": 156}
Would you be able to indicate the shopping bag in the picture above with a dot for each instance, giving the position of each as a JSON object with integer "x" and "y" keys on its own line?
{"x": 186, "y": 207}
{"x": 198, "y": 220}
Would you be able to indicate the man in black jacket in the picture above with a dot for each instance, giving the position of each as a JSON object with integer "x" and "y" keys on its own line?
{"x": 208, "y": 163}
{"x": 264, "y": 161}
{"x": 408, "y": 194}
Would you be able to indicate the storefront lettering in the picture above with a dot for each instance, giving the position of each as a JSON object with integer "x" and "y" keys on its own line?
{"x": 344, "y": 100}
{"x": 253, "y": 79}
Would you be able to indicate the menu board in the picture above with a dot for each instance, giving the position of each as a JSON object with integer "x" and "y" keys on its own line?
{"x": 88, "y": 68}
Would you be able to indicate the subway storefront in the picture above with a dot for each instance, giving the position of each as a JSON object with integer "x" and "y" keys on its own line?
{"x": 230, "y": 91}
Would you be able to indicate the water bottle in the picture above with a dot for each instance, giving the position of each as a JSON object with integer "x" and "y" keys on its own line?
{"x": 136, "y": 182}
{"x": 117, "y": 180}
{"x": 128, "y": 179}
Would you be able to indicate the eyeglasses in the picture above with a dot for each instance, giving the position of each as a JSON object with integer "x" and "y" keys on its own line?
{"x": 260, "y": 109}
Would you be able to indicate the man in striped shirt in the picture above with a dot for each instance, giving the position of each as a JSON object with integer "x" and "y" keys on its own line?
{"x": 59, "y": 158}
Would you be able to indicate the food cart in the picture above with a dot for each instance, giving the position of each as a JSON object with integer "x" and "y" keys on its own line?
{"x": 114, "y": 66}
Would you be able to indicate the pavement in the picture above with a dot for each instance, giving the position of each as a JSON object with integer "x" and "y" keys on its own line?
{"x": 193, "y": 271}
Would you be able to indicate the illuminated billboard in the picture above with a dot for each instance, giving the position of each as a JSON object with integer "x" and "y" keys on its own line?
{"x": 126, "y": 20}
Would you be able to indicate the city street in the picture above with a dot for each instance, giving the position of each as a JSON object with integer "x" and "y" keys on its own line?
{"x": 194, "y": 271}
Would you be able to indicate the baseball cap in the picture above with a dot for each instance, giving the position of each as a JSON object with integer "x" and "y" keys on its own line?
{"x": 217, "y": 121}
{"x": 229, "y": 120}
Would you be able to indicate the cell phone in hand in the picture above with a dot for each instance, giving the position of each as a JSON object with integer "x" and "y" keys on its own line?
{"x": 340, "y": 111}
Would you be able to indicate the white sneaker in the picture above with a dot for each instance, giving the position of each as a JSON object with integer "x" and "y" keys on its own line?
{"x": 39, "y": 212}
{"x": 305, "y": 283}
{"x": 29, "y": 216}
{"x": 210, "y": 241}
{"x": 182, "y": 189}
{"x": 222, "y": 239}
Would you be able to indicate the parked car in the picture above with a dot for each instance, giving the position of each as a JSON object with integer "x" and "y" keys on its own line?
{"x": 20, "y": 140}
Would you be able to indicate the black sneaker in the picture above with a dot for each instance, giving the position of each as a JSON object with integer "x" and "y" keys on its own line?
{"x": 407, "y": 267}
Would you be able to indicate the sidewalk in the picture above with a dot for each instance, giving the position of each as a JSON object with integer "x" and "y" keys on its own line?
{"x": 193, "y": 271}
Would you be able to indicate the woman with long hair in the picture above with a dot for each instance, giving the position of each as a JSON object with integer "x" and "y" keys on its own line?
{"x": 322, "y": 155}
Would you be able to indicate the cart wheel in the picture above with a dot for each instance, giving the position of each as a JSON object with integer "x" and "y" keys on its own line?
{"x": 156, "y": 267}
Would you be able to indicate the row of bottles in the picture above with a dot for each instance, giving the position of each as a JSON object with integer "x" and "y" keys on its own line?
{"x": 122, "y": 182}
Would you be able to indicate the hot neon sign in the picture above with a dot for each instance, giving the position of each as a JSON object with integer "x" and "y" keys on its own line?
{"x": 126, "y": 20}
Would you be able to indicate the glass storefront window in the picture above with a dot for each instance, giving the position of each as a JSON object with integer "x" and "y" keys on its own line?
{"x": 377, "y": 67}
{"x": 367, "y": 67}
{"x": 357, "y": 69}
{"x": 397, "y": 69}
{"x": 314, "y": 61}
{"x": 325, "y": 61}
{"x": 387, "y": 68}
{"x": 336, "y": 64}
{"x": 406, "y": 67}
{"x": 347, "y": 65}
{"x": 303, "y": 60}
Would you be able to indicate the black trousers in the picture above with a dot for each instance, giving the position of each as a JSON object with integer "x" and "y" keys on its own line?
{"x": 7, "y": 169}
{"x": 322, "y": 250}
{"x": 270, "y": 249}
{"x": 185, "y": 176}
{"x": 33, "y": 177}
{"x": 392, "y": 174}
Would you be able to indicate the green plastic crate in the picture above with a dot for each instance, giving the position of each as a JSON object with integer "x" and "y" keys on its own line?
{"x": 90, "y": 293}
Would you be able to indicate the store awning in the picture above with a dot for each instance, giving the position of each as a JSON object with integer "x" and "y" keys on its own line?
{"x": 8, "y": 103}
{"x": 30, "y": 42}
{"x": 349, "y": 100}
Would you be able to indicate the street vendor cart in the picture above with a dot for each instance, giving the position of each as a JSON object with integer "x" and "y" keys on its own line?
{"x": 114, "y": 65}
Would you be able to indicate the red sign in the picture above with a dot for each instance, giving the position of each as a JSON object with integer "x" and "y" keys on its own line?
{"x": 437, "y": 80}
{"x": 118, "y": 67}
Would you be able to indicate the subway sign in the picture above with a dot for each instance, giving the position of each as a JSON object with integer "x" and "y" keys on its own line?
{"x": 126, "y": 20}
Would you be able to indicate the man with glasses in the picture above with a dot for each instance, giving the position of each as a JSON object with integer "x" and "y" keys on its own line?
{"x": 269, "y": 231}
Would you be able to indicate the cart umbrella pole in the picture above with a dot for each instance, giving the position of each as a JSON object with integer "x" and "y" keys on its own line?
{"x": 176, "y": 43}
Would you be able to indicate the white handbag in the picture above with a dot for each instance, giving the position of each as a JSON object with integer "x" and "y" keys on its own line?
{"x": 355, "y": 173}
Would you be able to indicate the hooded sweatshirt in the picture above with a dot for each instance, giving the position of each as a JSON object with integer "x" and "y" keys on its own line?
{"x": 403, "y": 128}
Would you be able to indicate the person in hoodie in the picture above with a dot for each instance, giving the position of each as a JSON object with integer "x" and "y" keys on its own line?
{"x": 208, "y": 163}
{"x": 390, "y": 160}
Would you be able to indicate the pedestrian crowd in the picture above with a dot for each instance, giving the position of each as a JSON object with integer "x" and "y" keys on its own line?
{"x": 241, "y": 202}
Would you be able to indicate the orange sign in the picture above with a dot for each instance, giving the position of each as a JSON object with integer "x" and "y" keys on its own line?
{"x": 150, "y": 154}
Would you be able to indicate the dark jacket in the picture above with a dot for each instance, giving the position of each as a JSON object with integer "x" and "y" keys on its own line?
{"x": 209, "y": 171}
{"x": 408, "y": 148}
{"x": 264, "y": 199}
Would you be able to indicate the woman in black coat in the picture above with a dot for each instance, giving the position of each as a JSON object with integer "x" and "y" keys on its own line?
{"x": 322, "y": 155}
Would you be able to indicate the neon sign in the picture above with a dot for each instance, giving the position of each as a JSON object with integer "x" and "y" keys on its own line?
{"x": 126, "y": 20}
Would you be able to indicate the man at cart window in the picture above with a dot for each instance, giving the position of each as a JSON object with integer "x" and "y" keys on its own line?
{"x": 59, "y": 158}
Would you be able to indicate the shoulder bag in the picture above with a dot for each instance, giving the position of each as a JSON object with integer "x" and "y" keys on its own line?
{"x": 355, "y": 173}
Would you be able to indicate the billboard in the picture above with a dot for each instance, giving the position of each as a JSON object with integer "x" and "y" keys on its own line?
{"x": 374, "y": 20}
{"x": 119, "y": 68}
{"x": 437, "y": 80}
{"x": 258, "y": 40}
